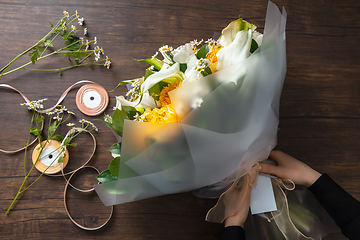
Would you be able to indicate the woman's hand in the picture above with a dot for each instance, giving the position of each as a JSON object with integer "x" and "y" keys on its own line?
{"x": 290, "y": 168}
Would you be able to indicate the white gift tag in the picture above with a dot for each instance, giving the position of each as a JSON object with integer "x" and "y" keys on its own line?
{"x": 262, "y": 197}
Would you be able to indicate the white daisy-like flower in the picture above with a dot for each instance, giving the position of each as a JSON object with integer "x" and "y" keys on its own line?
{"x": 57, "y": 118}
{"x": 81, "y": 21}
{"x": 87, "y": 45}
{"x": 82, "y": 121}
{"x": 197, "y": 103}
{"x": 66, "y": 14}
{"x": 154, "y": 56}
{"x": 107, "y": 62}
{"x": 102, "y": 51}
{"x": 70, "y": 124}
{"x": 85, "y": 31}
{"x": 137, "y": 117}
{"x": 22, "y": 104}
{"x": 73, "y": 28}
{"x": 50, "y": 113}
{"x": 70, "y": 112}
{"x": 97, "y": 56}
{"x": 95, "y": 40}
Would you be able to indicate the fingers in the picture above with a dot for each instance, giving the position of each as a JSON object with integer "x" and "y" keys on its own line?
{"x": 270, "y": 169}
{"x": 278, "y": 156}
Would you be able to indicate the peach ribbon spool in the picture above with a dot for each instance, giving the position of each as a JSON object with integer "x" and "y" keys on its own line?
{"x": 92, "y": 99}
{"x": 48, "y": 160}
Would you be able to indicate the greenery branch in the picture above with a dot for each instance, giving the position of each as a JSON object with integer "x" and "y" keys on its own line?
{"x": 75, "y": 48}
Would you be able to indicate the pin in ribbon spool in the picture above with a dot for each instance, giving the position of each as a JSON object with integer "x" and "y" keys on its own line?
{"x": 92, "y": 99}
{"x": 49, "y": 157}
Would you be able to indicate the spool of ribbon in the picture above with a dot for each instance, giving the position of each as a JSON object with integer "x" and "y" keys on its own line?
{"x": 46, "y": 156}
{"x": 62, "y": 97}
{"x": 73, "y": 172}
{"x": 92, "y": 99}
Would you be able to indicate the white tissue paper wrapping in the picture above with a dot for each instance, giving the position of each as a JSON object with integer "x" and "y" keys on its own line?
{"x": 235, "y": 127}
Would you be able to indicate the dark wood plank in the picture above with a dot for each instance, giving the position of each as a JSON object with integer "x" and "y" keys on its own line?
{"x": 319, "y": 112}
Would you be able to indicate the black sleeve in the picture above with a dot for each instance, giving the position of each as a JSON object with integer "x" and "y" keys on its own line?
{"x": 340, "y": 205}
{"x": 232, "y": 233}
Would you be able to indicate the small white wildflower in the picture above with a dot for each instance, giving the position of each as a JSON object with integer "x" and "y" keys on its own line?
{"x": 82, "y": 121}
{"x": 102, "y": 50}
{"x": 154, "y": 56}
{"x": 95, "y": 40}
{"x": 197, "y": 103}
{"x": 85, "y": 31}
{"x": 97, "y": 56}
{"x": 57, "y": 118}
{"x": 50, "y": 113}
{"x": 70, "y": 112}
{"x": 81, "y": 21}
{"x": 22, "y": 104}
{"x": 70, "y": 124}
{"x": 87, "y": 45}
{"x": 137, "y": 117}
{"x": 165, "y": 48}
{"x": 66, "y": 14}
{"x": 73, "y": 28}
{"x": 107, "y": 62}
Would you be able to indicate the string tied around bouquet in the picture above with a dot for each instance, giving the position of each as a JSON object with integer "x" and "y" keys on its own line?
{"x": 233, "y": 198}
{"x": 62, "y": 152}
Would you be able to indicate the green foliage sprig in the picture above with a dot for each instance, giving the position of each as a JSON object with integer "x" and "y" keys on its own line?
{"x": 57, "y": 117}
{"x": 75, "y": 48}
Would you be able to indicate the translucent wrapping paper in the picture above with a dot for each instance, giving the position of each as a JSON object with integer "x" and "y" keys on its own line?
{"x": 214, "y": 144}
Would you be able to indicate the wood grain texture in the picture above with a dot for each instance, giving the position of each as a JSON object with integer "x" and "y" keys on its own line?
{"x": 319, "y": 110}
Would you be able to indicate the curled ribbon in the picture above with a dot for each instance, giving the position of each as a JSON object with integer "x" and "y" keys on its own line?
{"x": 62, "y": 97}
{"x": 233, "y": 198}
{"x": 72, "y": 173}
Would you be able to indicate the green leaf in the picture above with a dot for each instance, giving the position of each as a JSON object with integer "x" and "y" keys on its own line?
{"x": 254, "y": 46}
{"x": 148, "y": 73}
{"x": 35, "y": 132}
{"x": 129, "y": 111}
{"x": 183, "y": 67}
{"x": 114, "y": 166}
{"x": 157, "y": 63}
{"x": 106, "y": 176}
{"x": 76, "y": 54}
{"x": 70, "y": 60}
{"x": 41, "y": 49}
{"x": 50, "y": 24}
{"x": 109, "y": 125}
{"x": 155, "y": 90}
{"x": 116, "y": 148}
{"x": 118, "y": 121}
{"x": 122, "y": 83}
{"x": 48, "y": 43}
{"x": 58, "y": 138}
{"x": 203, "y": 51}
{"x": 61, "y": 159}
{"x": 52, "y": 128}
{"x": 72, "y": 144}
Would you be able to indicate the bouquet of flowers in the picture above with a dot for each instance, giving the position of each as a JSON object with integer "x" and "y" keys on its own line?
{"x": 201, "y": 117}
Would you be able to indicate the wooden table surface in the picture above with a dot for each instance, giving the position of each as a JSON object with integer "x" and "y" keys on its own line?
{"x": 319, "y": 110}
